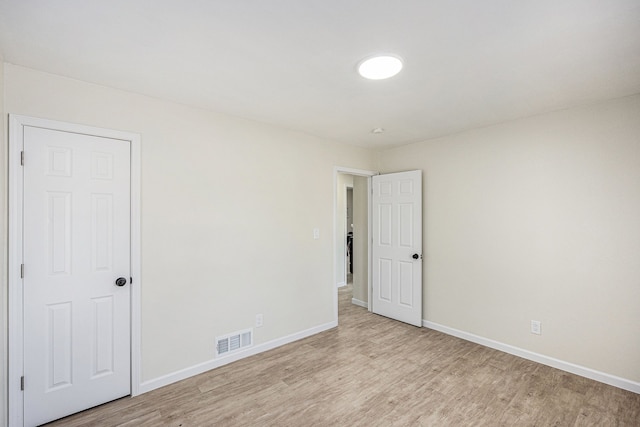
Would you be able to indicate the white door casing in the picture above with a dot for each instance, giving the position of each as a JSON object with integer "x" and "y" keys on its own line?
{"x": 78, "y": 237}
{"x": 397, "y": 246}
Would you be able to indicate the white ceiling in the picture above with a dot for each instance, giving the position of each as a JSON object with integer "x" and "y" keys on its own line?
{"x": 468, "y": 63}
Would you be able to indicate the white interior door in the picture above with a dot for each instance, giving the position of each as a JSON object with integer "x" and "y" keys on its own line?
{"x": 397, "y": 246}
{"x": 76, "y": 244}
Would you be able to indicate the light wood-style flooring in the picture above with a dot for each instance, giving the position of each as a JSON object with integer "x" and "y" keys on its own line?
{"x": 373, "y": 371}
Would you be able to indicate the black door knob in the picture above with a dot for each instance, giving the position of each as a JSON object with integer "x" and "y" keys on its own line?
{"x": 415, "y": 256}
{"x": 121, "y": 281}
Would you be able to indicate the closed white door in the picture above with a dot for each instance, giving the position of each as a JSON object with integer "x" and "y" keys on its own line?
{"x": 397, "y": 246}
{"x": 76, "y": 245}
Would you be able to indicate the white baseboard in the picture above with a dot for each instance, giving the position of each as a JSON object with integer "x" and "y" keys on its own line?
{"x": 359, "y": 303}
{"x": 341, "y": 284}
{"x": 602, "y": 377}
{"x": 216, "y": 363}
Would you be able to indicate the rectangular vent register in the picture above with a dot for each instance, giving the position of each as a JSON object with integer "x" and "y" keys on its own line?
{"x": 231, "y": 343}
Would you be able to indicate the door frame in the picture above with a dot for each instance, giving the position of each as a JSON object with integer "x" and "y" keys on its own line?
{"x": 358, "y": 172}
{"x": 15, "y": 251}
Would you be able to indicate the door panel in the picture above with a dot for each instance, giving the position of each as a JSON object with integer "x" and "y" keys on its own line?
{"x": 58, "y": 346}
{"x": 397, "y": 228}
{"x": 405, "y": 283}
{"x": 103, "y": 339}
{"x": 76, "y": 243}
{"x": 384, "y": 279}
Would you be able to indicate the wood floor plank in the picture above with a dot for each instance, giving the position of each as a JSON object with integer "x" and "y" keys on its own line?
{"x": 373, "y": 371}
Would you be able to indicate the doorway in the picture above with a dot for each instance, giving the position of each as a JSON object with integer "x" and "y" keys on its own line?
{"x": 73, "y": 230}
{"x": 393, "y": 287}
{"x": 344, "y": 226}
{"x": 351, "y": 236}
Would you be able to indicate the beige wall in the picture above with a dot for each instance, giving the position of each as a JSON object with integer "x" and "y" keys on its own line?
{"x": 537, "y": 219}
{"x": 360, "y": 237}
{"x": 532, "y": 219}
{"x": 228, "y": 212}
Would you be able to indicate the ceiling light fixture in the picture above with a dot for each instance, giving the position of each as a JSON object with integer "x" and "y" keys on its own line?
{"x": 377, "y": 130}
{"x": 380, "y": 67}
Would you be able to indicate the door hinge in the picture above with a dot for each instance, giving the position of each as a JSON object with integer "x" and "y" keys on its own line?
{"x": 22, "y": 271}
{"x": 22, "y": 383}
{"x": 22, "y": 158}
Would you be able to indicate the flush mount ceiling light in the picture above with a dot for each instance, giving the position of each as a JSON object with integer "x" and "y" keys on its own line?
{"x": 380, "y": 67}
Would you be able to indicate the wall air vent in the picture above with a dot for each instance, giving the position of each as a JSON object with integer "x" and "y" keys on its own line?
{"x": 228, "y": 344}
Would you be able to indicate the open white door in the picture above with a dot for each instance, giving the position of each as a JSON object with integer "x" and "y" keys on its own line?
{"x": 397, "y": 246}
{"x": 77, "y": 265}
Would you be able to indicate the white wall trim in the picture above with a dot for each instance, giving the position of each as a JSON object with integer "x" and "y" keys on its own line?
{"x": 347, "y": 226}
{"x": 15, "y": 327}
{"x": 352, "y": 171}
{"x": 136, "y": 264}
{"x": 15, "y": 308}
{"x": 369, "y": 245}
{"x": 342, "y": 218}
{"x": 341, "y": 284}
{"x": 359, "y": 303}
{"x": 582, "y": 371}
{"x": 216, "y": 363}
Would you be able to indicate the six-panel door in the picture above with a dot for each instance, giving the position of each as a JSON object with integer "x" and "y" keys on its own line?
{"x": 397, "y": 246}
{"x": 76, "y": 244}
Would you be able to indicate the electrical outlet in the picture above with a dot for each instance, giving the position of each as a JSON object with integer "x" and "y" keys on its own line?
{"x": 259, "y": 320}
{"x": 536, "y": 327}
{"x": 316, "y": 233}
